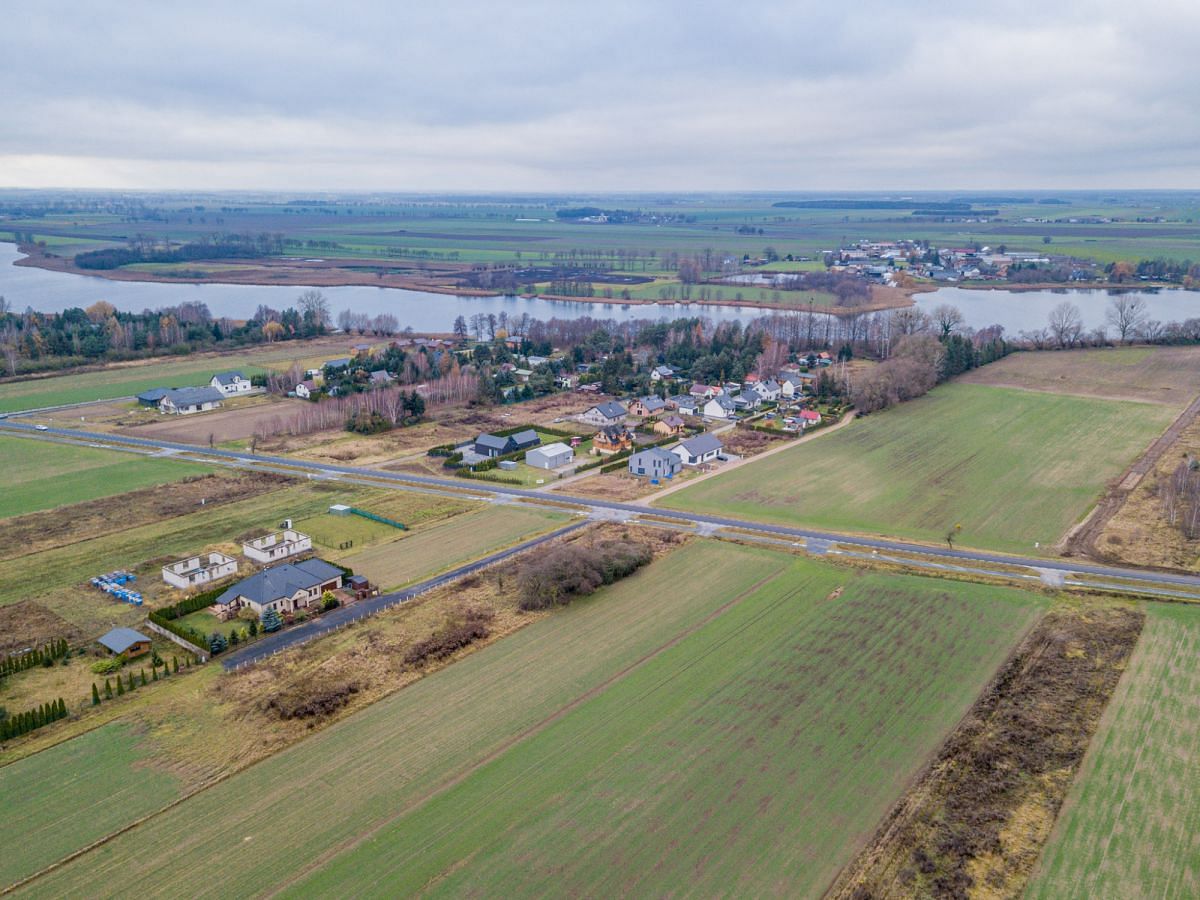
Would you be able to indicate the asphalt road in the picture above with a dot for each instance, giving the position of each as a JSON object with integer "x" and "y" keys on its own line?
{"x": 344, "y": 615}
{"x": 482, "y": 487}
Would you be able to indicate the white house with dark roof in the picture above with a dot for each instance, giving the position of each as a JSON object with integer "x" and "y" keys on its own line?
{"x": 231, "y": 383}
{"x": 284, "y": 588}
{"x": 698, "y": 450}
{"x": 608, "y": 413}
{"x": 185, "y": 401}
{"x": 662, "y": 373}
{"x": 720, "y": 407}
{"x": 655, "y": 463}
{"x": 768, "y": 390}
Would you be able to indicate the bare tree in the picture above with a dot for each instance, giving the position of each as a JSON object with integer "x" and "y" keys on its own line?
{"x": 1126, "y": 314}
{"x": 912, "y": 320}
{"x": 1066, "y": 324}
{"x": 313, "y": 304}
{"x": 947, "y": 319}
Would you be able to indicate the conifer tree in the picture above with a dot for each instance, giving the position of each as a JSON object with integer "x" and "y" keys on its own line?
{"x": 175, "y": 663}
{"x": 120, "y": 686}
{"x": 144, "y": 682}
{"x": 95, "y": 695}
{"x": 108, "y": 694}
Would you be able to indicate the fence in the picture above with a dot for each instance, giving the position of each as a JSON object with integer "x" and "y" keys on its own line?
{"x": 374, "y": 518}
{"x": 201, "y": 655}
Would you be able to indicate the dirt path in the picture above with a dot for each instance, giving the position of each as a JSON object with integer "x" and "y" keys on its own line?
{"x": 647, "y": 500}
{"x": 1081, "y": 539}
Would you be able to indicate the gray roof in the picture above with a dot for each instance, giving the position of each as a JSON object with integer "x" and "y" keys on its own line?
{"x": 654, "y": 453}
{"x": 611, "y": 409}
{"x": 121, "y": 639}
{"x": 491, "y": 441}
{"x": 664, "y": 370}
{"x": 280, "y": 581}
{"x": 701, "y": 444}
{"x": 192, "y": 396}
{"x": 229, "y": 377}
{"x": 653, "y": 403}
{"x": 338, "y": 363}
{"x": 526, "y": 438}
{"x": 724, "y": 401}
{"x": 770, "y": 384}
{"x": 153, "y": 395}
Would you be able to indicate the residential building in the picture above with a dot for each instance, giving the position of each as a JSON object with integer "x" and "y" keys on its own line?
{"x": 550, "y": 456}
{"x": 612, "y": 439}
{"x": 152, "y": 397}
{"x": 703, "y": 391}
{"x": 492, "y": 445}
{"x": 231, "y": 383}
{"x": 698, "y": 450}
{"x": 342, "y": 363}
{"x": 769, "y": 390}
{"x": 185, "y": 401}
{"x": 685, "y": 404}
{"x": 669, "y": 425}
{"x": 648, "y": 406}
{"x": 602, "y": 414}
{"x": 379, "y": 378}
{"x": 809, "y": 417}
{"x": 125, "y": 640}
{"x": 720, "y": 407}
{"x": 662, "y": 373}
{"x": 306, "y": 388}
{"x": 197, "y": 570}
{"x": 284, "y": 588}
{"x": 566, "y": 381}
{"x": 655, "y": 463}
{"x": 277, "y": 545}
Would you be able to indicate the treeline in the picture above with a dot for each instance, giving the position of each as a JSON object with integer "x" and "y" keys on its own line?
{"x": 226, "y": 246}
{"x": 38, "y": 656}
{"x": 25, "y": 722}
{"x": 1179, "y": 497}
{"x": 575, "y": 570}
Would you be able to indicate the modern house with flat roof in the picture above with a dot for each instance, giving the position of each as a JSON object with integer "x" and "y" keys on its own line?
{"x": 277, "y": 545}
{"x": 199, "y": 570}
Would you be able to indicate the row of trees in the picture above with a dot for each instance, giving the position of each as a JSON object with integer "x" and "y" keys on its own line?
{"x": 1179, "y": 496}
{"x": 38, "y": 656}
{"x": 25, "y": 722}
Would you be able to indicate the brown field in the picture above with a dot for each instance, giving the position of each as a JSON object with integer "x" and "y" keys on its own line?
{"x": 975, "y": 823}
{"x": 619, "y": 486}
{"x": 27, "y": 624}
{"x": 1167, "y": 375}
{"x": 235, "y": 423}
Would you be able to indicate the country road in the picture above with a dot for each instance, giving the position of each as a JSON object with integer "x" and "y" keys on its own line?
{"x": 813, "y": 537}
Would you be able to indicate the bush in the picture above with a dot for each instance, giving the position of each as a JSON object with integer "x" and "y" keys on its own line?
{"x": 572, "y": 570}
{"x": 271, "y": 621}
{"x": 453, "y": 637}
{"x": 109, "y": 666}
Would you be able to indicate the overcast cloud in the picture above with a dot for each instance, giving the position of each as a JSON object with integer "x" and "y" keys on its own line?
{"x": 688, "y": 95}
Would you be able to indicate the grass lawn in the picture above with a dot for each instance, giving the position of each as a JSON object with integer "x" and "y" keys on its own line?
{"x": 1013, "y": 467}
{"x": 423, "y": 553}
{"x": 44, "y": 475}
{"x": 627, "y": 743}
{"x": 1131, "y": 825}
{"x": 68, "y": 796}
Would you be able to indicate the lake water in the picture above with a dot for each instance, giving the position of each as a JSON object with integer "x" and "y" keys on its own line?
{"x": 1021, "y": 311}
{"x": 55, "y": 291}
{"x": 25, "y": 286}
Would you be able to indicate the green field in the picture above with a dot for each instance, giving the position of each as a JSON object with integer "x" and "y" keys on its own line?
{"x": 66, "y": 797}
{"x": 1131, "y": 825}
{"x": 44, "y": 475}
{"x": 420, "y": 554}
{"x": 1013, "y": 467}
{"x": 723, "y": 698}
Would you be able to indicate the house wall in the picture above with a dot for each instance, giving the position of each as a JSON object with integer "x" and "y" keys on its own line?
{"x": 191, "y": 572}
{"x": 277, "y": 546}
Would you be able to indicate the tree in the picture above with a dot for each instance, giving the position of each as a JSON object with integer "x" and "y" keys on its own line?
{"x": 175, "y": 664}
{"x": 460, "y": 328}
{"x": 217, "y": 643}
{"x": 314, "y": 309}
{"x": 947, "y": 319}
{"x": 1126, "y": 315}
{"x": 108, "y": 691}
{"x": 271, "y": 621}
{"x": 1066, "y": 324}
{"x": 254, "y": 628}
{"x": 95, "y": 695}
{"x": 120, "y": 687}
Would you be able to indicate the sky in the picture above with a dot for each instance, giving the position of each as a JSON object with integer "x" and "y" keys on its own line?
{"x": 575, "y": 96}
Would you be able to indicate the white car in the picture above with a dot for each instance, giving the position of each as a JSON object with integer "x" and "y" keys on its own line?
{"x": 42, "y": 427}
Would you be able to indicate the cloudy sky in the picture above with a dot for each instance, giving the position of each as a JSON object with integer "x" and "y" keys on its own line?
{"x": 689, "y": 95}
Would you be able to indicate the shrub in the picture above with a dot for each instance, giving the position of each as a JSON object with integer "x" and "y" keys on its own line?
{"x": 271, "y": 621}
{"x": 454, "y": 636}
{"x": 217, "y": 643}
{"x": 109, "y": 666}
{"x": 572, "y": 570}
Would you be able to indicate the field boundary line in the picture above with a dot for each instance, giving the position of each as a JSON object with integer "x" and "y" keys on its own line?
{"x": 536, "y": 728}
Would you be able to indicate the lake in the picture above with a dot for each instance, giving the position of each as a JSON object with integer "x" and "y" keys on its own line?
{"x": 45, "y": 291}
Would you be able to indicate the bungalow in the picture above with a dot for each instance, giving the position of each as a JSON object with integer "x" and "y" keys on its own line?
{"x": 283, "y": 588}
{"x": 593, "y": 388}
{"x": 379, "y": 378}
{"x": 197, "y": 570}
{"x": 231, "y": 383}
{"x": 768, "y": 390}
{"x": 648, "y": 406}
{"x": 809, "y": 417}
{"x": 793, "y": 384}
{"x": 703, "y": 391}
{"x": 277, "y": 545}
{"x": 662, "y": 373}
{"x": 125, "y": 640}
{"x": 492, "y": 445}
{"x": 550, "y": 456}
{"x": 669, "y": 426}
{"x": 698, "y": 450}
{"x": 746, "y": 402}
{"x": 608, "y": 413}
{"x": 655, "y": 463}
{"x": 306, "y": 388}
{"x": 685, "y": 404}
{"x": 185, "y": 401}
{"x": 720, "y": 407}
{"x": 152, "y": 397}
{"x": 522, "y": 375}
{"x": 612, "y": 439}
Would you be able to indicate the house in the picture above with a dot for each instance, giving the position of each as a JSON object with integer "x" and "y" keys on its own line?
{"x": 684, "y": 404}
{"x": 793, "y": 384}
{"x": 731, "y": 388}
{"x": 608, "y": 413}
{"x": 379, "y": 378}
{"x": 522, "y": 375}
{"x": 491, "y": 445}
{"x": 566, "y": 381}
{"x": 809, "y": 417}
{"x": 703, "y": 391}
{"x": 698, "y": 450}
{"x": 534, "y": 361}
{"x": 306, "y": 388}
{"x": 276, "y": 546}
{"x": 362, "y": 349}
{"x": 231, "y": 383}
{"x": 769, "y": 390}
{"x": 612, "y": 439}
{"x": 670, "y": 425}
{"x": 125, "y": 640}
{"x": 662, "y": 373}
{"x": 720, "y": 407}
{"x": 284, "y": 588}
{"x": 550, "y": 456}
{"x": 185, "y": 401}
{"x": 341, "y": 363}
{"x": 197, "y": 570}
{"x": 655, "y": 463}
{"x": 152, "y": 397}
{"x": 648, "y": 406}
{"x": 593, "y": 388}
{"x": 746, "y": 402}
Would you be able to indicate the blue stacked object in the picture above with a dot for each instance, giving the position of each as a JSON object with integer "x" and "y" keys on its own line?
{"x": 113, "y": 584}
